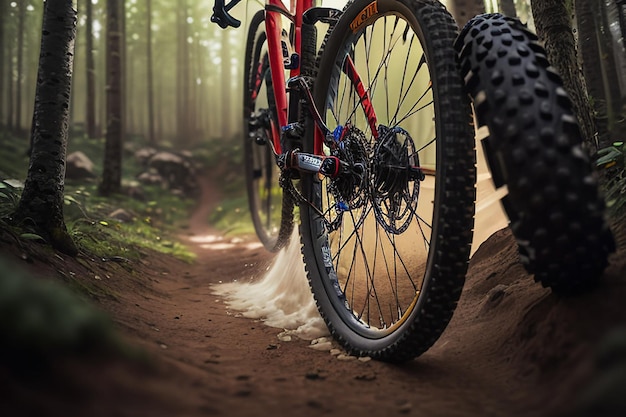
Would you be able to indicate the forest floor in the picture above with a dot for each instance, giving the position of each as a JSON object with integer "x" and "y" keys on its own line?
{"x": 512, "y": 348}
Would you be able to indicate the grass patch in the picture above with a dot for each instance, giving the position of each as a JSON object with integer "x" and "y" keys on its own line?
{"x": 612, "y": 160}
{"x": 151, "y": 222}
{"x": 232, "y": 216}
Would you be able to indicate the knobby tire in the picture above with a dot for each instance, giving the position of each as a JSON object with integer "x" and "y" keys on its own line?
{"x": 431, "y": 251}
{"x": 535, "y": 149}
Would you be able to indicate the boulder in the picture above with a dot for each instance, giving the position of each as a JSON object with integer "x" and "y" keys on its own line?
{"x": 78, "y": 166}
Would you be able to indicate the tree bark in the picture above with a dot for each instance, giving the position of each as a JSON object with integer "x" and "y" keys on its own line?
{"x": 90, "y": 104}
{"x": 464, "y": 10}
{"x": 41, "y": 203}
{"x": 554, "y": 28}
{"x": 112, "y": 169}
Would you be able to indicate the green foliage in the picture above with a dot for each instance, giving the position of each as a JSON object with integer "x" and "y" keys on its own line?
{"x": 154, "y": 219}
{"x": 9, "y": 198}
{"x": 612, "y": 160}
{"x": 152, "y": 223}
{"x": 232, "y": 216}
{"x": 13, "y": 156}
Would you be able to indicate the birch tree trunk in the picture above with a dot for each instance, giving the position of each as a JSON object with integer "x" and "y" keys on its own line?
{"x": 554, "y": 27}
{"x": 41, "y": 203}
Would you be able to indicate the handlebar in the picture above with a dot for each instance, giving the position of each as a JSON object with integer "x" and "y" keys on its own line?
{"x": 221, "y": 15}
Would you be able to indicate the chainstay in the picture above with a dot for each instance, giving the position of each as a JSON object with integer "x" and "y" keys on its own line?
{"x": 287, "y": 185}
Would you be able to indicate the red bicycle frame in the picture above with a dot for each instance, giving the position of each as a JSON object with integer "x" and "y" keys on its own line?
{"x": 274, "y": 10}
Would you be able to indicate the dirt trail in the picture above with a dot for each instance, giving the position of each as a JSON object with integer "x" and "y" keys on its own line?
{"x": 512, "y": 349}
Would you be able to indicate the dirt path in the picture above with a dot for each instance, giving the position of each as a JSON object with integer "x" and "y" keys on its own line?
{"x": 512, "y": 349}
{"x": 510, "y": 341}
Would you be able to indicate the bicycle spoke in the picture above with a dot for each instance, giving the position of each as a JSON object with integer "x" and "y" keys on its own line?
{"x": 388, "y": 82}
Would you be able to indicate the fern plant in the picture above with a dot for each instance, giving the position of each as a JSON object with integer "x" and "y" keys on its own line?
{"x": 9, "y": 198}
{"x": 612, "y": 160}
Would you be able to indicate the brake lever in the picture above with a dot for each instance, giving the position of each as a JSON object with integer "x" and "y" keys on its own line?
{"x": 221, "y": 16}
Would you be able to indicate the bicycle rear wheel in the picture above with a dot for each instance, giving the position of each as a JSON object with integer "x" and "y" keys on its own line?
{"x": 386, "y": 246}
{"x": 535, "y": 149}
{"x": 270, "y": 208}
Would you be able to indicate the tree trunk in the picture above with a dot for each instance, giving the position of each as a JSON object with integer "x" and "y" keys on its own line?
{"x": 226, "y": 83}
{"x": 183, "y": 75}
{"x": 2, "y": 26}
{"x": 612, "y": 66}
{"x": 102, "y": 83}
{"x": 554, "y": 27}
{"x": 150, "y": 74}
{"x": 507, "y": 8}
{"x": 121, "y": 4}
{"x": 621, "y": 10}
{"x": 41, "y": 202}
{"x": 129, "y": 127}
{"x": 90, "y": 104}
{"x": 112, "y": 169}
{"x": 464, "y": 10}
{"x": 21, "y": 20}
{"x": 586, "y": 14}
{"x": 10, "y": 97}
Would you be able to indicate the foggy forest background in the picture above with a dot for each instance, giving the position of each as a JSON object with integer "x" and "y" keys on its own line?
{"x": 182, "y": 75}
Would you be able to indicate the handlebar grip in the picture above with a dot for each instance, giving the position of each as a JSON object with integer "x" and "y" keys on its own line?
{"x": 221, "y": 16}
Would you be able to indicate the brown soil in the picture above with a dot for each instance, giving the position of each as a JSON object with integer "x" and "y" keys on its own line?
{"x": 512, "y": 348}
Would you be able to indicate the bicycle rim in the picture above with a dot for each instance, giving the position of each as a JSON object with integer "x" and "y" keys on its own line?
{"x": 271, "y": 211}
{"x": 386, "y": 251}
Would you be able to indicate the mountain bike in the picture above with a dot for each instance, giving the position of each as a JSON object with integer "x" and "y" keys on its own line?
{"x": 535, "y": 149}
{"x": 370, "y": 135}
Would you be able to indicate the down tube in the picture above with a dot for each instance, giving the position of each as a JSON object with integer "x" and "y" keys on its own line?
{"x": 273, "y": 29}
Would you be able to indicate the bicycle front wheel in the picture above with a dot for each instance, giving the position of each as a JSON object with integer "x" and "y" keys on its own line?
{"x": 535, "y": 149}
{"x": 271, "y": 209}
{"x": 386, "y": 246}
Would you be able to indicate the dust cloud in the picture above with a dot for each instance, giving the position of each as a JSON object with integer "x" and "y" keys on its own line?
{"x": 281, "y": 299}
